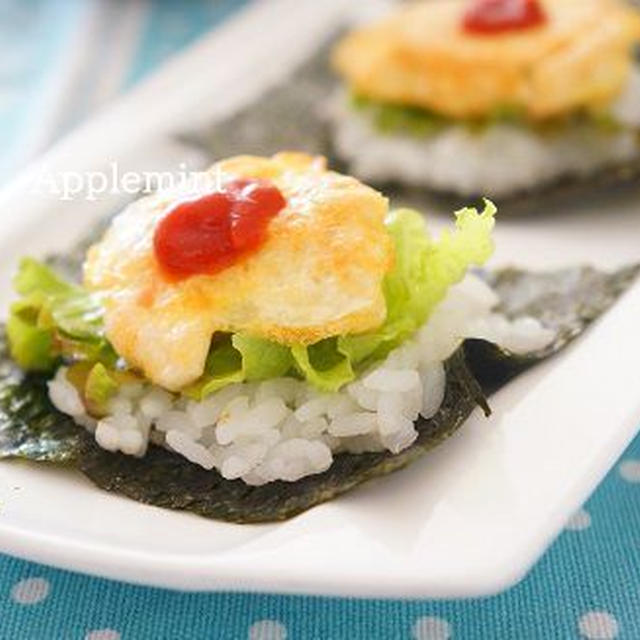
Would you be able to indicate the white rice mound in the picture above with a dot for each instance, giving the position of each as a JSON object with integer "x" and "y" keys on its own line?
{"x": 284, "y": 429}
{"x": 500, "y": 160}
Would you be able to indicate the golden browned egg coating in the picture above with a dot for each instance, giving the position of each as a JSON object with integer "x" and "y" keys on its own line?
{"x": 318, "y": 274}
{"x": 421, "y": 56}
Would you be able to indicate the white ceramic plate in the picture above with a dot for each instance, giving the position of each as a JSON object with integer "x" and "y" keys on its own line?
{"x": 469, "y": 519}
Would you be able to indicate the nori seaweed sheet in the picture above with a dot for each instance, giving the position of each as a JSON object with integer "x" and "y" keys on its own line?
{"x": 260, "y": 128}
{"x": 565, "y": 301}
{"x": 30, "y": 428}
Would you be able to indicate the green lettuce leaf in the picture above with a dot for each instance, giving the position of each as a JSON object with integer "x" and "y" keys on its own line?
{"x": 323, "y": 365}
{"x": 262, "y": 359}
{"x": 54, "y": 318}
{"x": 31, "y": 341}
{"x": 99, "y": 388}
{"x": 223, "y": 367}
{"x": 240, "y": 358}
{"x": 419, "y": 121}
{"x": 424, "y": 270}
{"x": 389, "y": 118}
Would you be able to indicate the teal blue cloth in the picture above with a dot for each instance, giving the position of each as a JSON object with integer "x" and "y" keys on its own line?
{"x": 29, "y": 52}
{"x": 587, "y": 585}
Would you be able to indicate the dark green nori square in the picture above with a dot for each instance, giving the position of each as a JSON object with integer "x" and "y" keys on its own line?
{"x": 30, "y": 428}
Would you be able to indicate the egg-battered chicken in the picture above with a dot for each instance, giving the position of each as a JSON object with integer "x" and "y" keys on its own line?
{"x": 421, "y": 56}
{"x": 318, "y": 274}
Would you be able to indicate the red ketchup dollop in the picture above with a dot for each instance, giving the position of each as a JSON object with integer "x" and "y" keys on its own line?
{"x": 207, "y": 235}
{"x": 499, "y": 16}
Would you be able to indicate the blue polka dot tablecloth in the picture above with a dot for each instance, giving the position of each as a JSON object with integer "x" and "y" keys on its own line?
{"x": 586, "y": 586}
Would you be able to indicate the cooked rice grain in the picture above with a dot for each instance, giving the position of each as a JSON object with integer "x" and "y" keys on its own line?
{"x": 284, "y": 429}
{"x": 500, "y": 160}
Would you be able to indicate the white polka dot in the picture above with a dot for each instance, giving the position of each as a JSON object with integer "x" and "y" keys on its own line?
{"x": 30, "y": 591}
{"x": 579, "y": 520}
{"x": 102, "y": 634}
{"x": 431, "y": 628}
{"x": 598, "y": 625}
{"x": 630, "y": 470}
{"x": 267, "y": 630}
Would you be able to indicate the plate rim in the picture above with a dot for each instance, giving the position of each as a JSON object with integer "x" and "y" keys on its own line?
{"x": 138, "y": 568}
